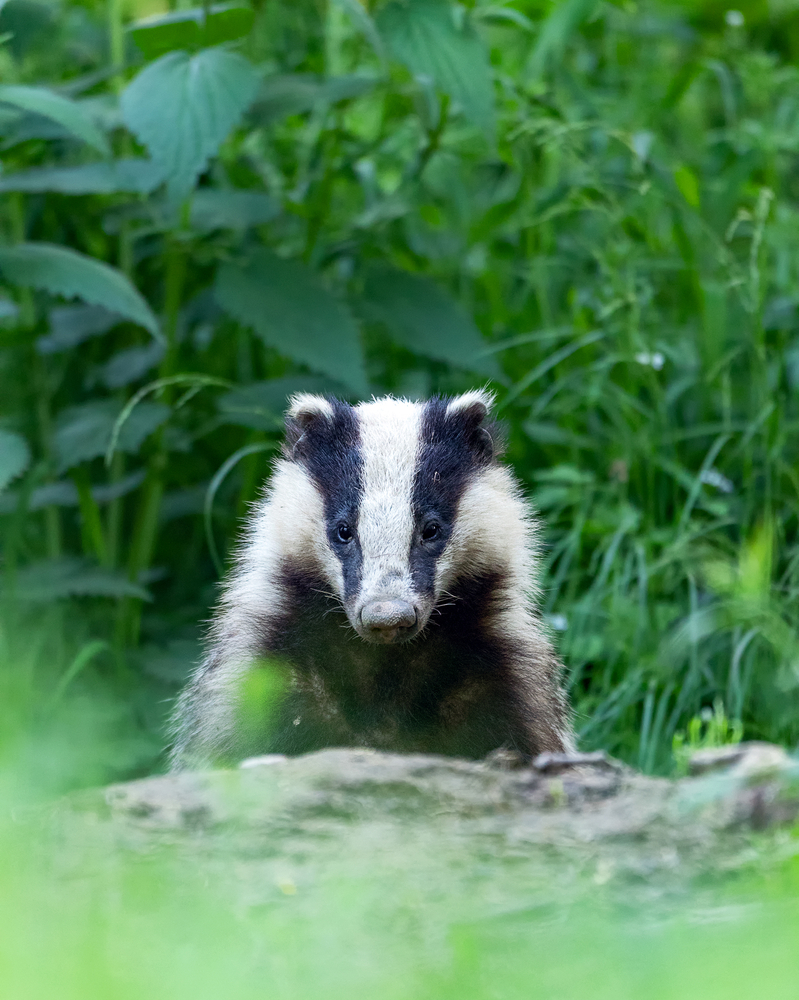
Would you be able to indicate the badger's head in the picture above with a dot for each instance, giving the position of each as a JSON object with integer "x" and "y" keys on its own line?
{"x": 390, "y": 501}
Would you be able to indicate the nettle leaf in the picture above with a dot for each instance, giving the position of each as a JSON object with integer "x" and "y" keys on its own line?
{"x": 191, "y": 29}
{"x": 64, "y": 493}
{"x": 260, "y": 405}
{"x": 135, "y": 174}
{"x": 287, "y": 306}
{"x": 437, "y": 41}
{"x": 182, "y": 108}
{"x": 295, "y": 93}
{"x": 15, "y": 457}
{"x": 57, "y": 579}
{"x": 84, "y": 432}
{"x": 71, "y": 325}
{"x": 425, "y": 319}
{"x": 129, "y": 365}
{"x": 24, "y": 127}
{"x": 64, "y": 112}
{"x": 212, "y": 208}
{"x": 62, "y": 271}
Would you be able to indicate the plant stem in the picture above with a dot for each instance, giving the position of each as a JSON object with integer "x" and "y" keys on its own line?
{"x": 146, "y": 529}
{"x": 116, "y": 42}
{"x": 114, "y": 518}
{"x": 434, "y": 137}
{"x": 175, "y": 260}
{"x": 27, "y": 321}
{"x": 91, "y": 522}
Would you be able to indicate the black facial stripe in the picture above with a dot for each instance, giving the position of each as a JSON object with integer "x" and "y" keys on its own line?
{"x": 451, "y": 450}
{"x": 331, "y": 452}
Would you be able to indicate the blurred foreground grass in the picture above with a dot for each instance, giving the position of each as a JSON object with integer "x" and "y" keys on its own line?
{"x": 149, "y": 928}
{"x": 85, "y": 919}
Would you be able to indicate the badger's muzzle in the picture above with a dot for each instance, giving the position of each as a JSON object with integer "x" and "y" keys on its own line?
{"x": 388, "y": 621}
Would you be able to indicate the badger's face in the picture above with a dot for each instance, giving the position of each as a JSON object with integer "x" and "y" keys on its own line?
{"x": 386, "y": 479}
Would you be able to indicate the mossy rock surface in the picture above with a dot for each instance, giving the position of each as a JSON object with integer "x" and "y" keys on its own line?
{"x": 470, "y": 837}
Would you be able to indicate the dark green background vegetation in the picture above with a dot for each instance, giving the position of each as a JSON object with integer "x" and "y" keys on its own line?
{"x": 592, "y": 206}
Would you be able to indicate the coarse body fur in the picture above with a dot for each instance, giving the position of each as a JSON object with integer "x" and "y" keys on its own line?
{"x": 391, "y": 569}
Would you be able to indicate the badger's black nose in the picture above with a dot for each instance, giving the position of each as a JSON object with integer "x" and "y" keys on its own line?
{"x": 388, "y": 617}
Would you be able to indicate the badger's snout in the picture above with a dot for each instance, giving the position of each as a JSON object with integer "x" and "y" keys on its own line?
{"x": 388, "y": 621}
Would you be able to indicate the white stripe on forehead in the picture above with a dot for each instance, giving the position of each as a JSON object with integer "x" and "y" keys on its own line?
{"x": 389, "y": 430}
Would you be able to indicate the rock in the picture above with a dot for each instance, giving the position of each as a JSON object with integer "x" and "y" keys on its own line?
{"x": 750, "y": 759}
{"x": 556, "y": 828}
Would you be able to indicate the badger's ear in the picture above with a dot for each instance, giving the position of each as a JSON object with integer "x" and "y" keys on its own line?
{"x": 474, "y": 405}
{"x": 305, "y": 410}
{"x": 471, "y": 413}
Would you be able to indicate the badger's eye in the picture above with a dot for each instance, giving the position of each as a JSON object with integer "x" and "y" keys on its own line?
{"x": 430, "y": 531}
{"x": 344, "y": 533}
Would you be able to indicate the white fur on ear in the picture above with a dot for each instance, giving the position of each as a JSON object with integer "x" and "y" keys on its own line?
{"x": 304, "y": 405}
{"x": 477, "y": 398}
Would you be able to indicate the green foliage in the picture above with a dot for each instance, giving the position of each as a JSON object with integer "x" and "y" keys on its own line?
{"x": 424, "y": 320}
{"x": 85, "y": 431}
{"x": 59, "y": 579}
{"x": 707, "y": 731}
{"x": 15, "y": 457}
{"x": 136, "y": 175}
{"x": 286, "y": 305}
{"x": 437, "y": 42}
{"x": 556, "y": 33}
{"x": 182, "y": 108}
{"x": 67, "y": 113}
{"x": 215, "y": 209}
{"x": 191, "y": 29}
{"x": 62, "y": 271}
{"x": 590, "y": 204}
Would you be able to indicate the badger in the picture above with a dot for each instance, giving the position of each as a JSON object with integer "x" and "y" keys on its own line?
{"x": 388, "y": 576}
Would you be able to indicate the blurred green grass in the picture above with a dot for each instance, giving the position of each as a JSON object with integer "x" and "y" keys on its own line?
{"x": 149, "y": 927}
{"x": 82, "y": 915}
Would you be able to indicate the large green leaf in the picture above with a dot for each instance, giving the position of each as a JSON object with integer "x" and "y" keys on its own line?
{"x": 71, "y": 325}
{"x": 64, "y": 493}
{"x": 212, "y": 208}
{"x": 106, "y": 177}
{"x": 15, "y": 457}
{"x": 436, "y": 40}
{"x": 22, "y": 126}
{"x": 56, "y": 579}
{"x": 423, "y": 318}
{"x": 261, "y": 405}
{"x": 182, "y": 108}
{"x": 191, "y": 29}
{"x": 84, "y": 432}
{"x": 62, "y": 271}
{"x": 287, "y": 306}
{"x": 131, "y": 364}
{"x": 294, "y": 93}
{"x": 66, "y": 113}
